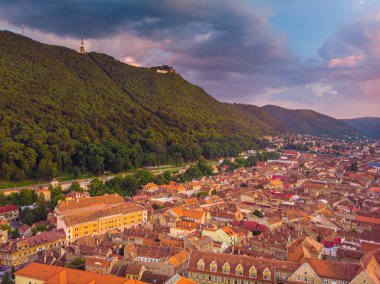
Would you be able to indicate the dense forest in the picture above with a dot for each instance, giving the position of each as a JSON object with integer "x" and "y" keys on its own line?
{"x": 61, "y": 111}
{"x": 306, "y": 121}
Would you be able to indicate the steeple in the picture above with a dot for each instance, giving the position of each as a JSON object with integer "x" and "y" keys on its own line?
{"x": 82, "y": 49}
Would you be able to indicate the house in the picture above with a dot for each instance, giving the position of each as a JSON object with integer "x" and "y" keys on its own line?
{"x": 97, "y": 215}
{"x": 150, "y": 187}
{"x": 134, "y": 271}
{"x": 226, "y": 234}
{"x": 25, "y": 230}
{"x": 206, "y": 267}
{"x": 42, "y": 273}
{"x": 100, "y": 265}
{"x": 304, "y": 248}
{"x": 178, "y": 279}
{"x": 194, "y": 215}
{"x": 158, "y": 259}
{"x": 21, "y": 251}
{"x": 9, "y": 213}
{"x": 45, "y": 192}
{"x": 329, "y": 272}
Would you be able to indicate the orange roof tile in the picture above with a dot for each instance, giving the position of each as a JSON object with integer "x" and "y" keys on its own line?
{"x": 57, "y": 275}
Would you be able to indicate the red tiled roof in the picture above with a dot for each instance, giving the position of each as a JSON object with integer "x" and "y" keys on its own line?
{"x": 8, "y": 208}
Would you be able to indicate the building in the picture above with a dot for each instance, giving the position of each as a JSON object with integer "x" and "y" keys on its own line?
{"x": 101, "y": 221}
{"x": 178, "y": 279}
{"x": 329, "y": 272}
{"x": 97, "y": 215}
{"x": 38, "y": 273}
{"x": 206, "y": 267}
{"x": 72, "y": 207}
{"x": 21, "y": 251}
{"x": 45, "y": 192}
{"x": 9, "y": 213}
{"x": 226, "y": 235}
{"x": 100, "y": 265}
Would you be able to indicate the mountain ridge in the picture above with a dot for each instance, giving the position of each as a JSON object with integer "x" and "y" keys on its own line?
{"x": 368, "y": 125}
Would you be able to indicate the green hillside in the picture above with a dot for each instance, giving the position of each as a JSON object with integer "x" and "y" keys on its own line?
{"x": 64, "y": 111}
{"x": 305, "y": 121}
{"x": 61, "y": 111}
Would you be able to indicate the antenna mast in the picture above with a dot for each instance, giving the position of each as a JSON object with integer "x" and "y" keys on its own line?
{"x": 82, "y": 49}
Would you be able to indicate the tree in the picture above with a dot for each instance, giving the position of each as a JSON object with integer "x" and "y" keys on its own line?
{"x": 40, "y": 228}
{"x": 156, "y": 206}
{"x": 7, "y": 279}
{"x": 75, "y": 186}
{"x": 256, "y": 232}
{"x": 77, "y": 263}
{"x": 27, "y": 197}
{"x": 41, "y": 207}
{"x": 258, "y": 213}
{"x": 15, "y": 234}
{"x": 143, "y": 177}
{"x": 56, "y": 196}
{"x": 202, "y": 193}
{"x": 13, "y": 272}
{"x": 319, "y": 238}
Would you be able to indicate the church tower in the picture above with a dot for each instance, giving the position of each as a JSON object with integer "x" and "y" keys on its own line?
{"x": 82, "y": 49}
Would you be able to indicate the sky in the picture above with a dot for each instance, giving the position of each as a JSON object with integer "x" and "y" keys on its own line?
{"x": 300, "y": 54}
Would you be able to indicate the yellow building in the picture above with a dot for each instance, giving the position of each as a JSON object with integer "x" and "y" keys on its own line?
{"x": 226, "y": 235}
{"x": 20, "y": 251}
{"x": 97, "y": 215}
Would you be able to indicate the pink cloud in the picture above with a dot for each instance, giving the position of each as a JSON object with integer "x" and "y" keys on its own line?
{"x": 348, "y": 61}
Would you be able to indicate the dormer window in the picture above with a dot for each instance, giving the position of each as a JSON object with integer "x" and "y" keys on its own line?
{"x": 239, "y": 270}
{"x": 267, "y": 274}
{"x": 201, "y": 265}
{"x": 226, "y": 268}
{"x": 252, "y": 272}
{"x": 213, "y": 266}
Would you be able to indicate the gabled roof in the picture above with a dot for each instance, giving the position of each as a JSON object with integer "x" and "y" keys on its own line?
{"x": 333, "y": 269}
{"x": 61, "y": 275}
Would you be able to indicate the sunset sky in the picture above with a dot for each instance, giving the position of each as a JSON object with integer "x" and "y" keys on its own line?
{"x": 316, "y": 54}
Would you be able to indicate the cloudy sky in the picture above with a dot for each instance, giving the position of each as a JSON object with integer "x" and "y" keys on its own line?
{"x": 317, "y": 54}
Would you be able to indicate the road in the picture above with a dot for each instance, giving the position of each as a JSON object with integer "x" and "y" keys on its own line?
{"x": 66, "y": 184}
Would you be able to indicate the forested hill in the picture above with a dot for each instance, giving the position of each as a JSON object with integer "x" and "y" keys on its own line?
{"x": 368, "y": 125}
{"x": 305, "y": 121}
{"x": 61, "y": 111}
{"x": 64, "y": 111}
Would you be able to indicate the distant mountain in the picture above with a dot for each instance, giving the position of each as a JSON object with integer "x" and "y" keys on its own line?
{"x": 307, "y": 121}
{"x": 368, "y": 125}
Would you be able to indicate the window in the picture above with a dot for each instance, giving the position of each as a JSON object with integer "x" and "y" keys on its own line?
{"x": 305, "y": 279}
{"x": 312, "y": 280}
{"x": 213, "y": 267}
{"x": 325, "y": 281}
{"x": 298, "y": 278}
